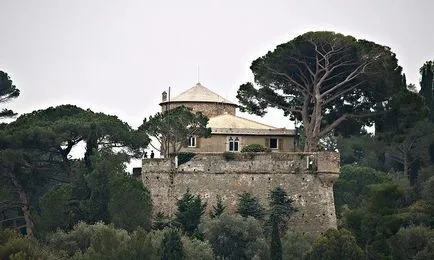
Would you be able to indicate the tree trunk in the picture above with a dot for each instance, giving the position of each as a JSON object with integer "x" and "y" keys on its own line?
{"x": 311, "y": 144}
{"x": 312, "y": 135}
{"x": 164, "y": 147}
{"x": 312, "y": 124}
{"x": 25, "y": 205}
{"x": 26, "y": 213}
{"x": 405, "y": 162}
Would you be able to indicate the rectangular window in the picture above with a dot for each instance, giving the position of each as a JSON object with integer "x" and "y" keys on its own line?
{"x": 274, "y": 143}
{"x": 233, "y": 144}
{"x": 192, "y": 141}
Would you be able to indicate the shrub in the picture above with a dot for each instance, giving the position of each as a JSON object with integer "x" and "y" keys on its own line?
{"x": 229, "y": 156}
{"x": 335, "y": 244}
{"x": 295, "y": 245}
{"x": 253, "y": 148}
{"x": 16, "y": 246}
{"x": 235, "y": 237}
{"x": 76, "y": 240}
{"x": 172, "y": 245}
{"x": 410, "y": 242}
{"x": 196, "y": 249}
{"x": 101, "y": 241}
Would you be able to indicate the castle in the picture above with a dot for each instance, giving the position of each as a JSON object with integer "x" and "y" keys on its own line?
{"x": 228, "y": 131}
{"x": 306, "y": 177}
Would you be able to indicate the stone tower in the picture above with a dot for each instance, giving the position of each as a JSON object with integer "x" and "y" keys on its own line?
{"x": 200, "y": 99}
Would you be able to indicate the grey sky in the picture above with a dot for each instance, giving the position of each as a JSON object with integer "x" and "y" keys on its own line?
{"x": 118, "y": 56}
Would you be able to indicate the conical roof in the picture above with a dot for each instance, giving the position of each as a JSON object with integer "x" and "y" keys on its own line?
{"x": 199, "y": 93}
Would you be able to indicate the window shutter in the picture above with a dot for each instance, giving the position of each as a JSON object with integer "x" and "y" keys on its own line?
{"x": 267, "y": 142}
{"x": 281, "y": 144}
{"x": 197, "y": 142}
{"x": 185, "y": 143}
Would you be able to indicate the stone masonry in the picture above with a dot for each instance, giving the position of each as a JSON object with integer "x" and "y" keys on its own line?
{"x": 306, "y": 177}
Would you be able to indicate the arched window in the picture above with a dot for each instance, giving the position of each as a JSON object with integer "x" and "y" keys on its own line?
{"x": 234, "y": 144}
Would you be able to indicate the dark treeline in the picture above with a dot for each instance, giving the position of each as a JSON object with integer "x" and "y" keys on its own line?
{"x": 56, "y": 207}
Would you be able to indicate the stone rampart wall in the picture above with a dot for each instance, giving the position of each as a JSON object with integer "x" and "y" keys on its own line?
{"x": 308, "y": 179}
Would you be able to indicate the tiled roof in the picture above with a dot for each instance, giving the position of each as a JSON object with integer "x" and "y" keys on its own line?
{"x": 199, "y": 93}
{"x": 231, "y": 121}
{"x": 243, "y": 131}
{"x": 230, "y": 124}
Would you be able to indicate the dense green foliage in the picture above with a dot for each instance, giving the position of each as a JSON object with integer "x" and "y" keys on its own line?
{"x": 197, "y": 249}
{"x": 36, "y": 161}
{"x": 217, "y": 209}
{"x": 8, "y": 91}
{"x": 183, "y": 157}
{"x": 295, "y": 245}
{"x": 427, "y": 86}
{"x": 129, "y": 205}
{"x": 281, "y": 209}
{"x": 172, "y": 128}
{"x": 229, "y": 156}
{"x": 249, "y": 206}
{"x": 190, "y": 210}
{"x": 276, "y": 243}
{"x": 384, "y": 193}
{"x": 107, "y": 194}
{"x": 412, "y": 243}
{"x": 335, "y": 244}
{"x": 172, "y": 246}
{"x": 253, "y": 148}
{"x": 353, "y": 185}
{"x": 101, "y": 241}
{"x": 15, "y": 246}
{"x": 235, "y": 237}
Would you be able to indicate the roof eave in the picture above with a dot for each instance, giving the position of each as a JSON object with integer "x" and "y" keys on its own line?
{"x": 246, "y": 131}
{"x": 211, "y": 102}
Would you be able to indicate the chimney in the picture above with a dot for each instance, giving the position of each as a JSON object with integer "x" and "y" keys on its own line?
{"x": 164, "y": 96}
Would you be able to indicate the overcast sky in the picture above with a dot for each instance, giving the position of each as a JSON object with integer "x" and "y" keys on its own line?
{"x": 118, "y": 56}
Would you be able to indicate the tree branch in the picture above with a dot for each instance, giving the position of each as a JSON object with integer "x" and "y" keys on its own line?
{"x": 326, "y": 101}
{"x": 355, "y": 73}
{"x": 300, "y": 87}
{"x": 333, "y": 125}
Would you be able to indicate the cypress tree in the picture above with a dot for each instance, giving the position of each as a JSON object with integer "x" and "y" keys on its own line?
{"x": 172, "y": 246}
{"x": 427, "y": 87}
{"x": 280, "y": 209}
{"x": 190, "y": 209}
{"x": 218, "y": 209}
{"x": 276, "y": 243}
{"x": 248, "y": 205}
